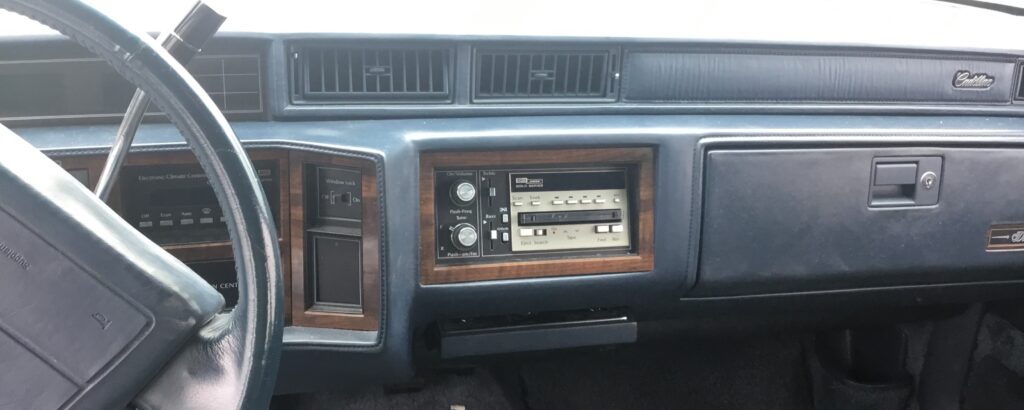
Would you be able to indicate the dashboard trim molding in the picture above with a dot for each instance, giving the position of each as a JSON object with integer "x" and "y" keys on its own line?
{"x": 369, "y": 318}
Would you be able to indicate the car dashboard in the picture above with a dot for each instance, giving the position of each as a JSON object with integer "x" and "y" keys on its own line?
{"x": 445, "y": 198}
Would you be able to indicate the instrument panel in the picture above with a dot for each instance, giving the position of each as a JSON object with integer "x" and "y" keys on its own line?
{"x": 328, "y": 228}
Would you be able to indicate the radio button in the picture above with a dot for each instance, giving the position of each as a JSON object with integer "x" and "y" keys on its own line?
{"x": 526, "y": 232}
{"x": 616, "y": 228}
{"x": 601, "y": 229}
{"x": 464, "y": 236}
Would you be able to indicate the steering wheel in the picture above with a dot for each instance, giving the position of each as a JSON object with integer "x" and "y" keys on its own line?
{"x": 92, "y": 313}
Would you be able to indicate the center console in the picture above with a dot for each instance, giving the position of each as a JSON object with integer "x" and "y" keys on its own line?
{"x": 500, "y": 215}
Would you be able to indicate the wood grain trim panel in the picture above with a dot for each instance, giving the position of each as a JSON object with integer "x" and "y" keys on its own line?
{"x": 300, "y": 309}
{"x": 642, "y": 261}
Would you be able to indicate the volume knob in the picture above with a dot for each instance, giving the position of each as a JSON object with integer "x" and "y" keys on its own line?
{"x": 464, "y": 236}
{"x": 463, "y": 193}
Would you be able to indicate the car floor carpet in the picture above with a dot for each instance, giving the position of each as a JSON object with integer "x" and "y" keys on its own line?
{"x": 476, "y": 390}
{"x": 744, "y": 373}
{"x": 741, "y": 373}
{"x": 996, "y": 379}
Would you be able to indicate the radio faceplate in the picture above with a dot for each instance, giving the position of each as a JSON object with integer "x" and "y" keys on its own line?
{"x": 486, "y": 215}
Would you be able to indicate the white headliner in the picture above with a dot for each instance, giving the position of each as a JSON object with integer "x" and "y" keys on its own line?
{"x": 903, "y": 23}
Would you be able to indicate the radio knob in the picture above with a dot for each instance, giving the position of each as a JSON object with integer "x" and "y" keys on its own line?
{"x": 463, "y": 193}
{"x": 464, "y": 236}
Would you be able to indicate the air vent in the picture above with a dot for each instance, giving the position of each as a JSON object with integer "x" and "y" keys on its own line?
{"x": 544, "y": 75}
{"x": 354, "y": 75}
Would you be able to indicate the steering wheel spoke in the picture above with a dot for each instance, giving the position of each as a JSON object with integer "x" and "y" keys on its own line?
{"x": 183, "y": 43}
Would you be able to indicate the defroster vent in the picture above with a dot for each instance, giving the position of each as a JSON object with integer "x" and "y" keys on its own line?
{"x": 545, "y": 75}
{"x": 377, "y": 74}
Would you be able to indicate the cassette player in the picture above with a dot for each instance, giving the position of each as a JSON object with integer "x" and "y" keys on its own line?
{"x": 485, "y": 215}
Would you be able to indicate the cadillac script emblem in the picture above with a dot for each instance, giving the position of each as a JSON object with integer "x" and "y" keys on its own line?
{"x": 972, "y": 81}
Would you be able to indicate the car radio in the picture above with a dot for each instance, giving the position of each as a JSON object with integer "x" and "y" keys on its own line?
{"x": 499, "y": 214}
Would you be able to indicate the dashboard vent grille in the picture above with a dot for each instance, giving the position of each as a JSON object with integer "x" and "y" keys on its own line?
{"x": 352, "y": 74}
{"x": 544, "y": 75}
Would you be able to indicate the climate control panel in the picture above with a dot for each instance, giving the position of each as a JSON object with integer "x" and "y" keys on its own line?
{"x": 487, "y": 215}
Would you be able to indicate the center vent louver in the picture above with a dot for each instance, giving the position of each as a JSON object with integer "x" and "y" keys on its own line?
{"x": 544, "y": 75}
{"x": 376, "y": 74}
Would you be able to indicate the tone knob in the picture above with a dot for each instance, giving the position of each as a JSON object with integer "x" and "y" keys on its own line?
{"x": 464, "y": 236}
{"x": 463, "y": 193}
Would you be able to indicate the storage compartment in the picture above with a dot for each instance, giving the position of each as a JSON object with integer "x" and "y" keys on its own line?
{"x": 779, "y": 221}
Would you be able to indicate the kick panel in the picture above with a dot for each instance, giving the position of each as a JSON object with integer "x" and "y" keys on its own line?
{"x": 536, "y": 213}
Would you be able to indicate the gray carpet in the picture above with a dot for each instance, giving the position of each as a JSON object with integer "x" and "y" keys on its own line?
{"x": 745, "y": 373}
{"x": 996, "y": 380}
{"x": 475, "y": 391}
{"x": 741, "y": 373}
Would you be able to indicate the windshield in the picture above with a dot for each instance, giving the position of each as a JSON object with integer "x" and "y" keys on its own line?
{"x": 906, "y": 22}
